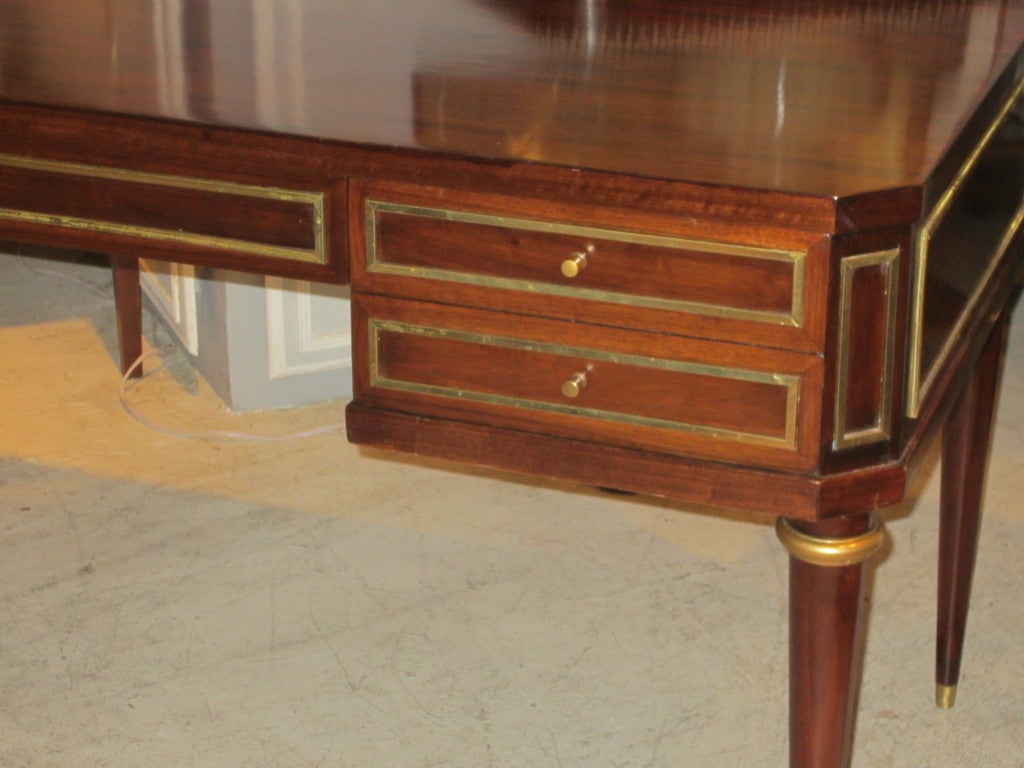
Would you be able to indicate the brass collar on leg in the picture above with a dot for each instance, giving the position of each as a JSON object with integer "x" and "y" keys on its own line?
{"x": 830, "y": 552}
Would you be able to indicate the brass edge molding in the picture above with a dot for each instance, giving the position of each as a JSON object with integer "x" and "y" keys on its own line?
{"x": 925, "y": 384}
{"x": 831, "y": 553}
{"x": 163, "y": 235}
{"x": 919, "y": 382}
{"x": 159, "y": 179}
{"x": 881, "y": 430}
{"x": 316, "y": 255}
{"x": 790, "y": 382}
{"x": 794, "y": 318}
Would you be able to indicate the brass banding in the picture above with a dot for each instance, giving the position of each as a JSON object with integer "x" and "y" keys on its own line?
{"x": 790, "y": 384}
{"x": 793, "y": 316}
{"x": 921, "y": 377}
{"x": 830, "y": 552}
{"x": 316, "y": 255}
{"x": 881, "y": 429}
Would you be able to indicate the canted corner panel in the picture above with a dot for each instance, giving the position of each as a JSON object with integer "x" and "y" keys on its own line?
{"x": 866, "y": 348}
{"x": 792, "y": 262}
{"x": 223, "y": 216}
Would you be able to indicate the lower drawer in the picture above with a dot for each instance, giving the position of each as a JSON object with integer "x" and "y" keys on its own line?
{"x": 687, "y": 396}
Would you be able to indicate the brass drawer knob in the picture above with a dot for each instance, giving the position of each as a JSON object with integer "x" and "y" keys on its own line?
{"x": 577, "y": 262}
{"x": 575, "y": 385}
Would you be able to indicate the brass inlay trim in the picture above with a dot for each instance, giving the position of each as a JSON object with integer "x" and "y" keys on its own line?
{"x": 794, "y": 317}
{"x": 831, "y": 553}
{"x": 919, "y": 382}
{"x": 882, "y": 428}
{"x": 315, "y": 255}
{"x": 789, "y": 382}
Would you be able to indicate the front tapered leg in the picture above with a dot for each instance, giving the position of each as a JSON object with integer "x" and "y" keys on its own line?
{"x": 826, "y": 588}
{"x": 965, "y": 442}
{"x": 128, "y": 306}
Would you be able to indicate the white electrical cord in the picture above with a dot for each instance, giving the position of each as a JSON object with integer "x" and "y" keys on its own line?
{"x": 128, "y": 383}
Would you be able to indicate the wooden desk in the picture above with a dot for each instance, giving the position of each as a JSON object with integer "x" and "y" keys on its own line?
{"x": 740, "y": 254}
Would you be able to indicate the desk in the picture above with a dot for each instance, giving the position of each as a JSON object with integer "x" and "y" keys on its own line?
{"x": 725, "y": 254}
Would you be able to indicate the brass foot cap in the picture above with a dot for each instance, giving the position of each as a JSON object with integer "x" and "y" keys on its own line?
{"x": 945, "y": 696}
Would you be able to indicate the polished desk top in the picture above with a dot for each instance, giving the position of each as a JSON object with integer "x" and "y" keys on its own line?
{"x": 828, "y": 98}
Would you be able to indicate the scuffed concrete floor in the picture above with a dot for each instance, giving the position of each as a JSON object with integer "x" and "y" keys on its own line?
{"x": 167, "y": 602}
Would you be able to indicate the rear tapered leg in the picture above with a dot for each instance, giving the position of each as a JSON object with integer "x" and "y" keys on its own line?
{"x": 965, "y": 443}
{"x": 128, "y": 305}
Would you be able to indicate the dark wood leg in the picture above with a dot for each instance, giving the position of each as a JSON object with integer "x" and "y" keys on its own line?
{"x": 965, "y": 442}
{"x": 128, "y": 305}
{"x": 826, "y": 594}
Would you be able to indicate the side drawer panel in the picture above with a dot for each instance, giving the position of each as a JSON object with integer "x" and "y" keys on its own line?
{"x": 966, "y": 236}
{"x": 690, "y": 397}
{"x": 227, "y": 222}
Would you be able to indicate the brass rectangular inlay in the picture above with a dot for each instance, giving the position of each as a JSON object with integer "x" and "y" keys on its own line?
{"x": 881, "y": 429}
{"x": 920, "y": 377}
{"x": 790, "y": 383}
{"x": 316, "y": 254}
{"x": 794, "y": 317}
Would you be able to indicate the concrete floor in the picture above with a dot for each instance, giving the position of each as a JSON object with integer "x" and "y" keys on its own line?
{"x": 172, "y": 602}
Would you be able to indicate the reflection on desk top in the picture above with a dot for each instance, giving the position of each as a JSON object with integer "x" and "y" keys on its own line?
{"x": 825, "y": 97}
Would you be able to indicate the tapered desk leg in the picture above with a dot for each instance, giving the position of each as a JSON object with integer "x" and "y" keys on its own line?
{"x": 128, "y": 305}
{"x": 826, "y": 580}
{"x": 965, "y": 442}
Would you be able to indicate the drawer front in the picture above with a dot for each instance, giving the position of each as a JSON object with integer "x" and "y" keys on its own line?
{"x": 684, "y": 396}
{"x": 165, "y": 212}
{"x": 419, "y": 245}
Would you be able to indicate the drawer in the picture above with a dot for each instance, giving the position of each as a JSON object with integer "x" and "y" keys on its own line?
{"x": 672, "y": 394}
{"x": 497, "y": 253}
{"x": 159, "y": 215}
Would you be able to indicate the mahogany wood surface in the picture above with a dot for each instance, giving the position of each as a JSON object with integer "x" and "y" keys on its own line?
{"x": 128, "y": 301}
{"x": 825, "y": 650}
{"x": 680, "y": 274}
{"x": 874, "y": 91}
{"x": 878, "y": 144}
{"x": 965, "y": 447}
{"x": 776, "y": 494}
{"x": 733, "y": 405}
{"x": 708, "y": 273}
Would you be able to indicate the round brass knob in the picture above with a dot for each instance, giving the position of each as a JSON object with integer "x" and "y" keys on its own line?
{"x": 576, "y": 384}
{"x": 576, "y": 263}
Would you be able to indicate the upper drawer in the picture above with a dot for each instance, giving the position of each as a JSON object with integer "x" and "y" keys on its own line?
{"x": 495, "y": 252}
{"x": 216, "y": 222}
